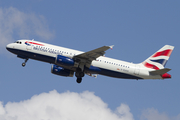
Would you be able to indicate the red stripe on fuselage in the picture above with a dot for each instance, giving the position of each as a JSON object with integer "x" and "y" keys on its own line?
{"x": 35, "y": 43}
{"x": 163, "y": 53}
{"x": 151, "y": 66}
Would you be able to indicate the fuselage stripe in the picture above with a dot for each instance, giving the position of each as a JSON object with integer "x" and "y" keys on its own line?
{"x": 34, "y": 43}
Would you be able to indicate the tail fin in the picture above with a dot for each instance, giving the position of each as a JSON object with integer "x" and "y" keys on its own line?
{"x": 159, "y": 59}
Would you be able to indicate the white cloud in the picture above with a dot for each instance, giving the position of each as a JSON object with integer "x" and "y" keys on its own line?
{"x": 153, "y": 114}
{"x": 124, "y": 112}
{"x": 64, "y": 106}
{"x": 15, "y": 24}
{"x": 72, "y": 106}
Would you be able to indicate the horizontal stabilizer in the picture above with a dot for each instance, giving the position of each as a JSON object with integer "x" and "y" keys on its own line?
{"x": 160, "y": 71}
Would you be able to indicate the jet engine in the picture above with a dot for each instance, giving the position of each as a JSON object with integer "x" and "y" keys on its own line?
{"x": 63, "y": 60}
{"x": 57, "y": 70}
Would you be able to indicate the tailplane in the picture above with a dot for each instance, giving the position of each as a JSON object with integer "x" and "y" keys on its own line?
{"x": 160, "y": 71}
{"x": 159, "y": 59}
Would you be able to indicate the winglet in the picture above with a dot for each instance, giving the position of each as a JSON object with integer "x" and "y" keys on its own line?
{"x": 111, "y": 46}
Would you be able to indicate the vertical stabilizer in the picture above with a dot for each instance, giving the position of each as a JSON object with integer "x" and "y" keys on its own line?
{"x": 159, "y": 59}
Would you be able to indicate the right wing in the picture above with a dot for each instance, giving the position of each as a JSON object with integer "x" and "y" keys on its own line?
{"x": 87, "y": 57}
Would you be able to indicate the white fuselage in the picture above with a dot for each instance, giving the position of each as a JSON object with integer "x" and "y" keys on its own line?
{"x": 108, "y": 66}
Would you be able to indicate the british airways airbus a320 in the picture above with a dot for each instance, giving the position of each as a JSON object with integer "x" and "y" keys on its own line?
{"x": 67, "y": 61}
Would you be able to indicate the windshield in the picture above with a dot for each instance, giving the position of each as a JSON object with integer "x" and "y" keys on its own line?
{"x": 18, "y": 42}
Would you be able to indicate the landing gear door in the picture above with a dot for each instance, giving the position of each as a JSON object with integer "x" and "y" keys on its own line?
{"x": 137, "y": 69}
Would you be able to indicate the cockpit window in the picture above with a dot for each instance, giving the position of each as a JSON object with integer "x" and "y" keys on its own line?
{"x": 18, "y": 42}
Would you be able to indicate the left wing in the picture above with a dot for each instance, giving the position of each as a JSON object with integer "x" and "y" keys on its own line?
{"x": 87, "y": 57}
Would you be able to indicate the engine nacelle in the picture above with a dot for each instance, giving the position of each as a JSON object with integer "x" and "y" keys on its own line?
{"x": 61, "y": 71}
{"x": 63, "y": 60}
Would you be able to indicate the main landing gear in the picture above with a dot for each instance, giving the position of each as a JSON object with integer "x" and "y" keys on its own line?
{"x": 79, "y": 74}
{"x": 24, "y": 63}
{"x": 79, "y": 80}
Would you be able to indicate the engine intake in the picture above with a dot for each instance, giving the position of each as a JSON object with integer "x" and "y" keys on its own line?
{"x": 57, "y": 70}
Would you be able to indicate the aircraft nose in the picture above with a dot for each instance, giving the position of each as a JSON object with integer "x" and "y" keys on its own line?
{"x": 9, "y": 46}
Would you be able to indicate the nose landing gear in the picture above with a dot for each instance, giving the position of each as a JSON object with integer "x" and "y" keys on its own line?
{"x": 24, "y": 63}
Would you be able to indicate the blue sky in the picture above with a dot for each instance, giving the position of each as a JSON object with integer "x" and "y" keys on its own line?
{"x": 136, "y": 28}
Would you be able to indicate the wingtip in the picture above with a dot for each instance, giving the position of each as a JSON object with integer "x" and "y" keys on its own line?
{"x": 111, "y": 46}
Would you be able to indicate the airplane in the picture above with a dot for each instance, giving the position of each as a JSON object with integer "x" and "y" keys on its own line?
{"x": 67, "y": 62}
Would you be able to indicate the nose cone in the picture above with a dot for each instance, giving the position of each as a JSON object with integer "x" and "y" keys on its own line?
{"x": 9, "y": 47}
{"x": 166, "y": 75}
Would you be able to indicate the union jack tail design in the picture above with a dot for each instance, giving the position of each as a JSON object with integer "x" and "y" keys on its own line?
{"x": 159, "y": 59}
